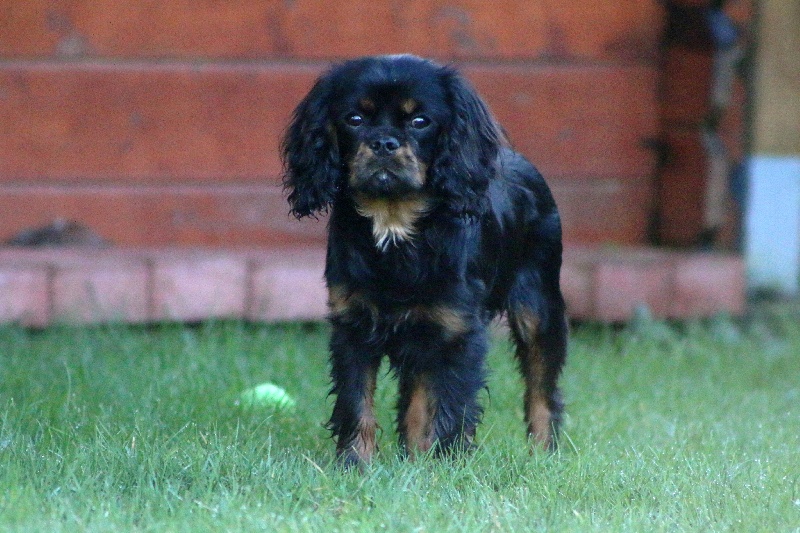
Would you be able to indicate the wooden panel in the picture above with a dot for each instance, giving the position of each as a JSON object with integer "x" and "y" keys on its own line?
{"x": 687, "y": 85}
{"x": 609, "y": 210}
{"x": 145, "y": 123}
{"x": 682, "y": 188}
{"x": 777, "y": 92}
{"x": 576, "y": 121}
{"x": 137, "y": 123}
{"x": 741, "y": 11}
{"x": 595, "y": 29}
{"x": 733, "y": 125}
{"x": 137, "y": 216}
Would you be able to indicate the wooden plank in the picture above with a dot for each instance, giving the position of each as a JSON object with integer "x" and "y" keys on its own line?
{"x": 608, "y": 210}
{"x": 315, "y": 29}
{"x": 578, "y": 121}
{"x": 144, "y": 123}
{"x": 680, "y": 197}
{"x": 777, "y": 91}
{"x": 152, "y": 215}
{"x": 604, "y": 211}
{"x": 183, "y": 123}
{"x": 687, "y": 86}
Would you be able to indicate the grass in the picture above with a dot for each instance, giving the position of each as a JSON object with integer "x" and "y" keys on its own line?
{"x": 692, "y": 427}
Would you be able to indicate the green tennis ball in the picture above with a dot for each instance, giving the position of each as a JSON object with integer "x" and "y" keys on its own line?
{"x": 266, "y": 395}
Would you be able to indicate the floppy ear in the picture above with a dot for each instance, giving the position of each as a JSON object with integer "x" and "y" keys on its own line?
{"x": 310, "y": 154}
{"x": 468, "y": 149}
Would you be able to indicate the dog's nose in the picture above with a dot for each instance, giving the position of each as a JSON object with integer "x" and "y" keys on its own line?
{"x": 384, "y": 145}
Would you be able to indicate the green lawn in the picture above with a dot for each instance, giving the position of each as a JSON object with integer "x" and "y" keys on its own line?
{"x": 670, "y": 428}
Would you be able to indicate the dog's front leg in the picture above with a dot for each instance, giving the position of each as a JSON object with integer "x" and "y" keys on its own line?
{"x": 441, "y": 372}
{"x": 354, "y": 367}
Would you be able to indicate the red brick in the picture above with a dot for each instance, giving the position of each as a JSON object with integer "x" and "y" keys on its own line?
{"x": 602, "y": 283}
{"x": 317, "y": 29}
{"x": 25, "y": 294}
{"x": 140, "y": 124}
{"x": 158, "y": 216}
{"x": 198, "y": 286}
{"x": 101, "y": 289}
{"x": 623, "y": 285}
{"x": 707, "y": 284}
{"x": 24, "y": 256}
{"x": 289, "y": 285}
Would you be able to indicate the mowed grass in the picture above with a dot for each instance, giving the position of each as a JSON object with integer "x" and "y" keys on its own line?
{"x": 692, "y": 427}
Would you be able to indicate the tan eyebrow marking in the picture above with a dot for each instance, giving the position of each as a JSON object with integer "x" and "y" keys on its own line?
{"x": 367, "y": 105}
{"x": 409, "y": 106}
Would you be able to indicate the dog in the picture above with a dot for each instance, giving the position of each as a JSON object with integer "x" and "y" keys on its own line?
{"x": 436, "y": 226}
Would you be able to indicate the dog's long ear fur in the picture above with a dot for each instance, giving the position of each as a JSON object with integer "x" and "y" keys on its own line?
{"x": 467, "y": 153}
{"x": 312, "y": 168}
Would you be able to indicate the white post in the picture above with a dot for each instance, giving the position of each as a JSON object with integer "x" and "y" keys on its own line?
{"x": 772, "y": 215}
{"x": 772, "y": 224}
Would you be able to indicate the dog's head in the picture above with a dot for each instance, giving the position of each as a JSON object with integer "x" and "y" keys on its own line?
{"x": 390, "y": 128}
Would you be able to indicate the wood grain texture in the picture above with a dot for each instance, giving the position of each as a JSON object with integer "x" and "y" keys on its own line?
{"x": 777, "y": 92}
{"x": 314, "y": 29}
{"x": 177, "y": 123}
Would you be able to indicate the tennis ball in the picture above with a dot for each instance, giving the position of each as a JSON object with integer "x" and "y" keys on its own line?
{"x": 266, "y": 395}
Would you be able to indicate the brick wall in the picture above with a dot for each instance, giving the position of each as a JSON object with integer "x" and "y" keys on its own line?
{"x": 157, "y": 123}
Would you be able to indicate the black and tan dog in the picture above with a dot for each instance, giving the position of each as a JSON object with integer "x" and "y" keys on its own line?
{"x": 436, "y": 226}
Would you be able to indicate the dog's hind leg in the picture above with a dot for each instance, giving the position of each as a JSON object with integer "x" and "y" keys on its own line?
{"x": 539, "y": 329}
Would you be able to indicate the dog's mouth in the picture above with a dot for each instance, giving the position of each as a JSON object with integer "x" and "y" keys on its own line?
{"x": 393, "y": 176}
{"x": 385, "y": 183}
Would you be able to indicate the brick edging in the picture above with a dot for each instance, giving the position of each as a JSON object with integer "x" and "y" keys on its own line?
{"x": 39, "y": 287}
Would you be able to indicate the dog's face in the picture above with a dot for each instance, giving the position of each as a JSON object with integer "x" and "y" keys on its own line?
{"x": 387, "y": 124}
{"x": 389, "y": 128}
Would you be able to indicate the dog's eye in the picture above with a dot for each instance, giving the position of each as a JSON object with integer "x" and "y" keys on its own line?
{"x": 420, "y": 122}
{"x": 354, "y": 120}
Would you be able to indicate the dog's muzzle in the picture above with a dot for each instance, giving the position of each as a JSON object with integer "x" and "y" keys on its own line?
{"x": 385, "y": 168}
